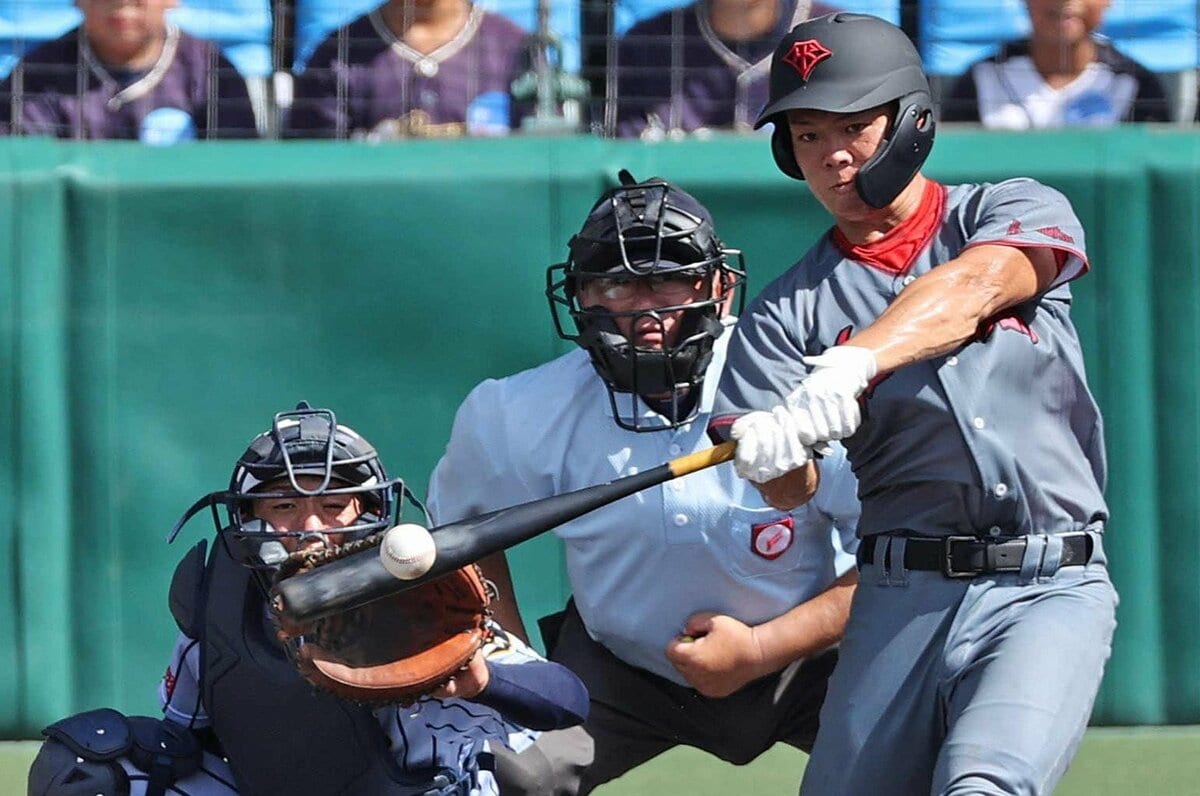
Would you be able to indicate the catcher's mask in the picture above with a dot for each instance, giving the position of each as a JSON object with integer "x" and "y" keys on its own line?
{"x": 653, "y": 231}
{"x": 301, "y": 442}
{"x": 847, "y": 63}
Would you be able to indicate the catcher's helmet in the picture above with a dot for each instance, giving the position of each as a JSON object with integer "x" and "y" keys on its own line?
{"x": 304, "y": 441}
{"x": 846, "y": 63}
{"x": 634, "y": 231}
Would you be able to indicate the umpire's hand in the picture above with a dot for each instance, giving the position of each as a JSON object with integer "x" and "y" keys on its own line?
{"x": 717, "y": 654}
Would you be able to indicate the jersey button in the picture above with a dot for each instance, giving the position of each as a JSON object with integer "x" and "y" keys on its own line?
{"x": 676, "y": 486}
{"x": 1001, "y": 490}
{"x": 951, "y": 361}
{"x": 681, "y": 519}
{"x": 978, "y": 422}
{"x": 994, "y": 530}
{"x": 674, "y": 450}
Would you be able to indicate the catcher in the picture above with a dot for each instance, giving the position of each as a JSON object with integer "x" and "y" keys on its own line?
{"x": 241, "y": 717}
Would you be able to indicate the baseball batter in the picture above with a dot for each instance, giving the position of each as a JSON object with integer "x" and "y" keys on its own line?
{"x": 701, "y": 614}
{"x": 238, "y": 716}
{"x": 930, "y": 329}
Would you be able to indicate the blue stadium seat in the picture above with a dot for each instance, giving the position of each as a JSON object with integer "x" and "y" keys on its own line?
{"x": 242, "y": 27}
{"x": 26, "y": 23}
{"x": 316, "y": 19}
{"x": 629, "y": 12}
{"x": 1161, "y": 34}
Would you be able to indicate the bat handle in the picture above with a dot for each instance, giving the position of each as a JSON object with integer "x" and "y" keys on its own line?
{"x": 701, "y": 459}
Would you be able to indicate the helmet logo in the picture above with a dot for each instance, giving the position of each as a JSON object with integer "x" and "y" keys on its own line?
{"x": 805, "y": 55}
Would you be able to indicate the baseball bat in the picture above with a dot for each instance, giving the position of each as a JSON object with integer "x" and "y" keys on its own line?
{"x": 360, "y": 578}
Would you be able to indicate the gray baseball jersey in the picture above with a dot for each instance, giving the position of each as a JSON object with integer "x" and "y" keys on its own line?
{"x": 945, "y": 685}
{"x": 1025, "y": 451}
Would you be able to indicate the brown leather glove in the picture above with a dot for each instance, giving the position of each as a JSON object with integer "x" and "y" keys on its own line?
{"x": 395, "y": 649}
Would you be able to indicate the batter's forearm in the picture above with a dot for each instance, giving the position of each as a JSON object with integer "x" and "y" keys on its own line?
{"x": 792, "y": 489}
{"x": 943, "y": 309}
{"x": 808, "y": 628}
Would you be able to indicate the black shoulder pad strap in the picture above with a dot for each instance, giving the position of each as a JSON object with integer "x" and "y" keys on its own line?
{"x": 102, "y": 734}
{"x": 186, "y": 596}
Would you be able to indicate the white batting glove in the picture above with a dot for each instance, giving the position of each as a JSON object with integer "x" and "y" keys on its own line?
{"x": 768, "y": 445}
{"x": 825, "y": 405}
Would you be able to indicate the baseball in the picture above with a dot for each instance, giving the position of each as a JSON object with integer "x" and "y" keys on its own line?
{"x": 407, "y": 551}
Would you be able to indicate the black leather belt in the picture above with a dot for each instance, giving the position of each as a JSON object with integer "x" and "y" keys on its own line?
{"x": 969, "y": 556}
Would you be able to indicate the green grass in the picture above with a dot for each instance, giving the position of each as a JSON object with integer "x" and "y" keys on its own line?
{"x": 1150, "y": 761}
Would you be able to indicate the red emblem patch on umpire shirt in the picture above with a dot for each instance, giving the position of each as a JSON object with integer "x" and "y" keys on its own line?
{"x": 771, "y": 539}
{"x": 169, "y": 682}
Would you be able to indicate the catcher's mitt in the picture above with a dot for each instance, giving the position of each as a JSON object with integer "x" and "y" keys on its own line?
{"x": 395, "y": 649}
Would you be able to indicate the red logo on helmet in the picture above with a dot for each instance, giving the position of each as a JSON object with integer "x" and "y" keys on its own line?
{"x": 805, "y": 55}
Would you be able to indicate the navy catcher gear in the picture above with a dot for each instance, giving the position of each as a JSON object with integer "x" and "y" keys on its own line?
{"x": 846, "y": 63}
{"x": 652, "y": 231}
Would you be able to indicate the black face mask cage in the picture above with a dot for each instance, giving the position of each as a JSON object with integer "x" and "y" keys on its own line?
{"x": 562, "y": 288}
{"x": 668, "y": 380}
{"x": 340, "y": 456}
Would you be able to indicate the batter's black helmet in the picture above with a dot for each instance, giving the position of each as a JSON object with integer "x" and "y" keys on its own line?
{"x": 634, "y": 231}
{"x": 304, "y": 441}
{"x": 846, "y": 63}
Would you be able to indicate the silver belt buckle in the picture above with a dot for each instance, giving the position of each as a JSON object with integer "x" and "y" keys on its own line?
{"x": 948, "y": 560}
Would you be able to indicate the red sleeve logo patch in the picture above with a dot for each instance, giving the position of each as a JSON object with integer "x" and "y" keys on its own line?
{"x": 169, "y": 682}
{"x": 1056, "y": 233}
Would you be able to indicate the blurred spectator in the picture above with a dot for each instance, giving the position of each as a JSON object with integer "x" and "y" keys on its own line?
{"x": 427, "y": 68}
{"x": 701, "y": 66}
{"x": 1063, "y": 75}
{"x": 126, "y": 73}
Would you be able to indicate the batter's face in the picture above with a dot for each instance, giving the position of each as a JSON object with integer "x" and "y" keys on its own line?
{"x": 642, "y": 295}
{"x": 1065, "y": 21}
{"x": 830, "y": 148}
{"x": 121, "y": 31}
{"x": 315, "y": 514}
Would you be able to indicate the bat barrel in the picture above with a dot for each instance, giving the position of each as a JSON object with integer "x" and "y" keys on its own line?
{"x": 361, "y": 578}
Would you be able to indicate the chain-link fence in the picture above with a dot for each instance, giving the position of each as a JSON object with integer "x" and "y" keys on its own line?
{"x": 171, "y": 70}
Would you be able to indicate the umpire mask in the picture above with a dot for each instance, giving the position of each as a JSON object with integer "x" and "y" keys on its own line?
{"x": 643, "y": 236}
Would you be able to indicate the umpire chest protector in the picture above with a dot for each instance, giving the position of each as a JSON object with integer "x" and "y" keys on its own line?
{"x": 279, "y": 733}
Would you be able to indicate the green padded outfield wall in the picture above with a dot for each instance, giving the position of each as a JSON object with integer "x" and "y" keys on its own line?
{"x": 158, "y": 305}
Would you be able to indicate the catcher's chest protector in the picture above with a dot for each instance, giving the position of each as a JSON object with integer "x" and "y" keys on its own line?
{"x": 280, "y": 734}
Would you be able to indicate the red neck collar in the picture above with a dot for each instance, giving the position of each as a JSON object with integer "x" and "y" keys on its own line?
{"x": 896, "y": 251}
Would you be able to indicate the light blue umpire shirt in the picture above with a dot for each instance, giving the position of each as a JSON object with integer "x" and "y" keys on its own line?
{"x": 641, "y": 566}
